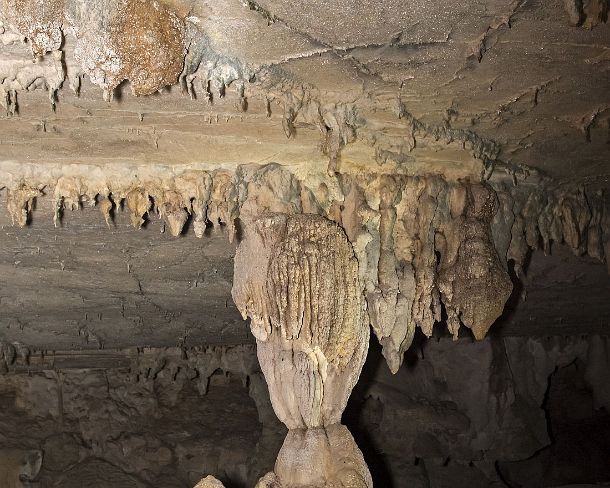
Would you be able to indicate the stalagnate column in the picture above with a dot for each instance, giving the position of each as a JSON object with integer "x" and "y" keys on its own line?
{"x": 296, "y": 277}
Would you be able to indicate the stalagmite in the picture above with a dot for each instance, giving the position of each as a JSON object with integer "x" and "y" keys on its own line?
{"x": 209, "y": 482}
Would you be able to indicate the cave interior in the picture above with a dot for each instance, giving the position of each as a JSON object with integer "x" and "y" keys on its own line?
{"x": 249, "y": 243}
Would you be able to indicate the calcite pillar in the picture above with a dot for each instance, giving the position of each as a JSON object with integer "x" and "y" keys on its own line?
{"x": 296, "y": 278}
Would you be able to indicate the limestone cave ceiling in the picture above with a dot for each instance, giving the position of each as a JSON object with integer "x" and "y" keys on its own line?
{"x": 448, "y": 139}
{"x": 414, "y": 84}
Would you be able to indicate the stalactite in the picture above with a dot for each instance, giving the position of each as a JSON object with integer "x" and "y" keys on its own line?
{"x": 421, "y": 242}
{"x": 473, "y": 283}
{"x": 20, "y": 202}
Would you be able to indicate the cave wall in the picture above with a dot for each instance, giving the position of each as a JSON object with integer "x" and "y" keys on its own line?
{"x": 425, "y": 246}
{"x": 403, "y": 129}
{"x": 474, "y": 413}
{"x": 505, "y": 411}
{"x": 147, "y": 417}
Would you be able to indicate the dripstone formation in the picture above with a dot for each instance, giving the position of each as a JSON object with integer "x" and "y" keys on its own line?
{"x": 419, "y": 168}
{"x": 296, "y": 277}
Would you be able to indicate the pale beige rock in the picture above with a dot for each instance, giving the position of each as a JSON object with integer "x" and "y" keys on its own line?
{"x": 405, "y": 231}
{"x": 270, "y": 480}
{"x": 322, "y": 457}
{"x": 209, "y": 482}
{"x": 390, "y": 304}
{"x": 312, "y": 311}
{"x": 172, "y": 209}
{"x": 106, "y": 206}
{"x": 18, "y": 74}
{"x": 297, "y": 278}
{"x": 138, "y": 202}
{"x": 19, "y": 204}
{"x": 425, "y": 231}
{"x": 473, "y": 283}
{"x": 42, "y": 23}
{"x": 223, "y": 206}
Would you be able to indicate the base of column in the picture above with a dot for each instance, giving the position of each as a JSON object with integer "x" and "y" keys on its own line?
{"x": 319, "y": 458}
{"x": 323, "y": 457}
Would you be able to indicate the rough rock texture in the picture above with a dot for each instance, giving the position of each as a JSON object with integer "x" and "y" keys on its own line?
{"x": 209, "y": 482}
{"x": 366, "y": 143}
{"x": 322, "y": 456}
{"x": 458, "y": 407}
{"x": 296, "y": 277}
{"x": 139, "y": 417}
{"x": 432, "y": 424}
{"x": 423, "y": 87}
{"x": 312, "y": 312}
{"x": 115, "y": 40}
{"x": 424, "y": 245}
{"x": 17, "y": 465}
{"x": 401, "y": 125}
{"x": 72, "y": 288}
{"x": 472, "y": 282}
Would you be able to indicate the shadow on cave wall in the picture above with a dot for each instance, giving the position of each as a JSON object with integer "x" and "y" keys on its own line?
{"x": 353, "y": 417}
{"x": 111, "y": 430}
{"x": 406, "y": 451}
{"x": 580, "y": 437}
{"x": 362, "y": 418}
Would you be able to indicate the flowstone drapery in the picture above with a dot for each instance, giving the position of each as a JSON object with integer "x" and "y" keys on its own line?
{"x": 296, "y": 277}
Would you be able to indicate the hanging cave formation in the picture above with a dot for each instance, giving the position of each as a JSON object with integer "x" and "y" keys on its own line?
{"x": 333, "y": 245}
